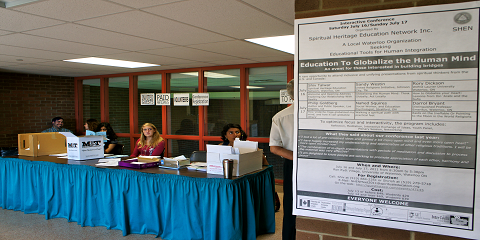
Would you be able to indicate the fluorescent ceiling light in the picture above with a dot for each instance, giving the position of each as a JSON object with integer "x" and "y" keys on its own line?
{"x": 248, "y": 87}
{"x": 210, "y": 75}
{"x": 13, "y": 3}
{"x": 282, "y": 43}
{"x": 195, "y": 74}
{"x": 111, "y": 62}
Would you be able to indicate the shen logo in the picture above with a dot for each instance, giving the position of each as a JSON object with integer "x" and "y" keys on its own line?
{"x": 91, "y": 144}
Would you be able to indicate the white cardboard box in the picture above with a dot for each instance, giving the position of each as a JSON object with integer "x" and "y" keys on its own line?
{"x": 242, "y": 163}
{"x": 82, "y": 148}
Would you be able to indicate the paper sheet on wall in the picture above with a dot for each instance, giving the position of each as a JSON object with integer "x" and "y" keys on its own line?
{"x": 386, "y": 119}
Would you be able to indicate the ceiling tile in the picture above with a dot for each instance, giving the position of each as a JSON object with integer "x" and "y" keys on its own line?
{"x": 72, "y": 10}
{"x": 5, "y": 64}
{"x": 69, "y": 66}
{"x": 231, "y": 18}
{"x": 29, "y": 41}
{"x": 20, "y": 60}
{"x": 18, "y": 22}
{"x": 34, "y": 53}
{"x": 193, "y": 65}
{"x": 146, "y": 25}
{"x": 234, "y": 62}
{"x": 143, "y": 3}
{"x": 98, "y": 37}
{"x": 33, "y": 69}
{"x": 240, "y": 49}
{"x": 147, "y": 58}
{"x": 173, "y": 33}
{"x": 65, "y": 65}
{"x": 4, "y": 32}
{"x": 189, "y": 53}
{"x": 283, "y": 9}
{"x": 274, "y": 59}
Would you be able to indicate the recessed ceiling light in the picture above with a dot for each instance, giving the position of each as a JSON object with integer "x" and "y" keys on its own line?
{"x": 111, "y": 62}
{"x": 282, "y": 43}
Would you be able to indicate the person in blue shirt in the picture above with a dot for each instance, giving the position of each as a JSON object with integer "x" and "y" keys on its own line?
{"x": 57, "y": 126}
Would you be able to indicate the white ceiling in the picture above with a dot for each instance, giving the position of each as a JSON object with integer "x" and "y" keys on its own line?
{"x": 36, "y": 37}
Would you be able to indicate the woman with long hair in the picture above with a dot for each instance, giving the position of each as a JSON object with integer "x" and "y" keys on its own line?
{"x": 230, "y": 132}
{"x": 150, "y": 142}
{"x": 110, "y": 144}
{"x": 91, "y": 124}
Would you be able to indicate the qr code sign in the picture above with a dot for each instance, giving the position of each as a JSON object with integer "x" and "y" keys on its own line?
{"x": 147, "y": 98}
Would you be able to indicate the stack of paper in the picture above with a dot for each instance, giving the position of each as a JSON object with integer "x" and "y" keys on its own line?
{"x": 111, "y": 162}
{"x": 198, "y": 166}
{"x": 245, "y": 146}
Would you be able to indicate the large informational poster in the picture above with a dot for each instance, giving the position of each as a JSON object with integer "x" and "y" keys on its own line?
{"x": 386, "y": 122}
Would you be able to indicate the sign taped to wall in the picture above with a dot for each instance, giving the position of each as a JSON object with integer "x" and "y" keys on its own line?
{"x": 386, "y": 119}
{"x": 181, "y": 99}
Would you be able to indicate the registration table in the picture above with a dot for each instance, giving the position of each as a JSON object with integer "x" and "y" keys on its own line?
{"x": 172, "y": 204}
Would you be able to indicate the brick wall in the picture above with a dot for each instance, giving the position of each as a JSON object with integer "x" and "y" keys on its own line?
{"x": 29, "y": 102}
{"x": 321, "y": 229}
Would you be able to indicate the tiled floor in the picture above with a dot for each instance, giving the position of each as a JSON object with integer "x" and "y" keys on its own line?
{"x": 17, "y": 225}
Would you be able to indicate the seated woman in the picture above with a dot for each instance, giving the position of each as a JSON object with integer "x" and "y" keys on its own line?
{"x": 91, "y": 124}
{"x": 108, "y": 146}
{"x": 150, "y": 142}
{"x": 230, "y": 132}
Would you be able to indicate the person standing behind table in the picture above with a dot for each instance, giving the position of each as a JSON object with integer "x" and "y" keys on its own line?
{"x": 150, "y": 142}
{"x": 91, "y": 124}
{"x": 281, "y": 144}
{"x": 112, "y": 137}
{"x": 57, "y": 126}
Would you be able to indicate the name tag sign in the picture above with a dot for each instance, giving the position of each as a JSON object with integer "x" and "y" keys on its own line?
{"x": 147, "y": 99}
{"x": 284, "y": 97}
{"x": 163, "y": 99}
{"x": 181, "y": 99}
{"x": 200, "y": 99}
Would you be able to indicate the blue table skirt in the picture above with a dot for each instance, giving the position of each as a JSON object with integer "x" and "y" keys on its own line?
{"x": 169, "y": 206}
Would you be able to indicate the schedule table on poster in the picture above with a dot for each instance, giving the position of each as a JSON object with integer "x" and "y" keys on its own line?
{"x": 398, "y": 100}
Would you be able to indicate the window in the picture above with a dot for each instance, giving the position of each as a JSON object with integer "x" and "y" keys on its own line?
{"x": 118, "y": 104}
{"x": 149, "y": 113}
{"x": 91, "y": 99}
{"x": 261, "y": 97}
{"x": 183, "y": 119}
{"x": 264, "y": 97}
{"x": 223, "y": 87}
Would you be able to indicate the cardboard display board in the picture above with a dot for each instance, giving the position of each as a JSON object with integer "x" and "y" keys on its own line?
{"x": 41, "y": 144}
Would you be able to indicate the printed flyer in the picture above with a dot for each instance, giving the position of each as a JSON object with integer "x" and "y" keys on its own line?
{"x": 386, "y": 118}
